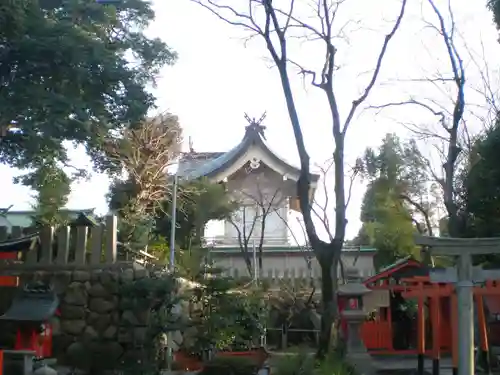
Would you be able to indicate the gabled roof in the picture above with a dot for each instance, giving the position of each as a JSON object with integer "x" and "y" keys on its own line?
{"x": 33, "y": 304}
{"x": 8, "y": 211}
{"x": 210, "y": 165}
{"x": 396, "y": 267}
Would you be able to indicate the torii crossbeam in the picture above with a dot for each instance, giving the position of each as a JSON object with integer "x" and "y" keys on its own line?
{"x": 462, "y": 249}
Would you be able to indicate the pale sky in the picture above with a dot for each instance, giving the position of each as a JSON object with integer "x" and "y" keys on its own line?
{"x": 217, "y": 79}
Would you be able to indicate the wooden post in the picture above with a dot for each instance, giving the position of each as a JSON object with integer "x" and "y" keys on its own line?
{"x": 81, "y": 244}
{"x": 17, "y": 232}
{"x": 284, "y": 338}
{"x": 96, "y": 250}
{"x": 62, "y": 245}
{"x": 3, "y": 233}
{"x": 32, "y": 256}
{"x": 466, "y": 316}
{"x": 483, "y": 335}
{"x": 46, "y": 236}
{"x": 111, "y": 239}
{"x": 436, "y": 337}
{"x": 389, "y": 319}
{"x": 421, "y": 330}
{"x": 454, "y": 332}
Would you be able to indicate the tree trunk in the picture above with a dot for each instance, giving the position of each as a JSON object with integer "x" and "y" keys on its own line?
{"x": 261, "y": 267}
{"x": 329, "y": 285}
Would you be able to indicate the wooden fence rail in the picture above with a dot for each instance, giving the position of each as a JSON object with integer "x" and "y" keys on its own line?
{"x": 67, "y": 246}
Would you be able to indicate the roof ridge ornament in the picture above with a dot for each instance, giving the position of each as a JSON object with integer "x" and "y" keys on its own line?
{"x": 256, "y": 125}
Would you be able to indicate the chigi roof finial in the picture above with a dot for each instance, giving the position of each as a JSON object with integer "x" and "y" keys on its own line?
{"x": 256, "y": 125}
{"x": 191, "y": 148}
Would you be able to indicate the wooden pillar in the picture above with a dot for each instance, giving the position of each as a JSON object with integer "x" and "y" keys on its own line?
{"x": 421, "y": 329}
{"x": 483, "y": 334}
{"x": 389, "y": 317}
{"x": 436, "y": 332}
{"x": 466, "y": 316}
{"x": 454, "y": 332}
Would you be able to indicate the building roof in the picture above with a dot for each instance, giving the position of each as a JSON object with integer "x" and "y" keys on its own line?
{"x": 195, "y": 165}
{"x": 399, "y": 269}
{"x": 33, "y": 304}
{"x": 8, "y": 211}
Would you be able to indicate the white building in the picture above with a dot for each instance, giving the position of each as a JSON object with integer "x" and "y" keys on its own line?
{"x": 265, "y": 185}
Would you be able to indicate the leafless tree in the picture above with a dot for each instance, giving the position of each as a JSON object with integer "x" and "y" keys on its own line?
{"x": 322, "y": 210}
{"x": 276, "y": 26}
{"x": 451, "y": 126}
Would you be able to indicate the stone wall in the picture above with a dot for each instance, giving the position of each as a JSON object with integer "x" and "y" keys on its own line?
{"x": 94, "y": 323}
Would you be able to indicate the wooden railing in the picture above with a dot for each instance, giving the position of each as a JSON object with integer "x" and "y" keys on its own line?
{"x": 68, "y": 246}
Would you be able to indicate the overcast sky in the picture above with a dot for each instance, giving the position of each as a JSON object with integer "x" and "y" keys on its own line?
{"x": 217, "y": 79}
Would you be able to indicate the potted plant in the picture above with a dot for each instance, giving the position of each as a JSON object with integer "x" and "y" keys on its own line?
{"x": 231, "y": 366}
{"x": 185, "y": 361}
{"x": 226, "y": 321}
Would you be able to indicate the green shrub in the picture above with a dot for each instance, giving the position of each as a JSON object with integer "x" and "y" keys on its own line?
{"x": 231, "y": 366}
{"x": 295, "y": 364}
{"x": 305, "y": 364}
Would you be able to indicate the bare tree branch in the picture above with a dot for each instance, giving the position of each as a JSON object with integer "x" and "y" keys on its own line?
{"x": 274, "y": 29}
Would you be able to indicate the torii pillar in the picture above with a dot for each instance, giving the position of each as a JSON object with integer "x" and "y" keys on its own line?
{"x": 462, "y": 249}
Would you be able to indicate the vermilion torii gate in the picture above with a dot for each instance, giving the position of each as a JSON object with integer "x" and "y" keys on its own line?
{"x": 464, "y": 276}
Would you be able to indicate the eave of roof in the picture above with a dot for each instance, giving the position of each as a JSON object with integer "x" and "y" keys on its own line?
{"x": 62, "y": 210}
{"x": 408, "y": 261}
{"x": 219, "y": 164}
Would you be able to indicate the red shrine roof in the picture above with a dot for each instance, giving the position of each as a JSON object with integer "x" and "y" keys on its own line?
{"x": 400, "y": 265}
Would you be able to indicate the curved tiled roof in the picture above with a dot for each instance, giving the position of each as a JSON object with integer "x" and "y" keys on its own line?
{"x": 211, "y": 164}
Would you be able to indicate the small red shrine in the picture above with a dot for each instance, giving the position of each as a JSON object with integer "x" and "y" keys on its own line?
{"x": 31, "y": 312}
{"x": 432, "y": 328}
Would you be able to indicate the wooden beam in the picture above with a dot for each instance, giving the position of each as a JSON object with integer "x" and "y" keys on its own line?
{"x": 450, "y": 275}
{"x": 459, "y": 246}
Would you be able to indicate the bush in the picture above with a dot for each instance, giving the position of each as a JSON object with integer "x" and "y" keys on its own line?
{"x": 306, "y": 364}
{"x": 295, "y": 364}
{"x": 231, "y": 366}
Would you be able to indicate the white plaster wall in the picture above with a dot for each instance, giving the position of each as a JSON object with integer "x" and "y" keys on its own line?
{"x": 265, "y": 189}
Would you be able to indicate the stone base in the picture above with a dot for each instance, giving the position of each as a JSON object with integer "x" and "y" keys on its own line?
{"x": 362, "y": 362}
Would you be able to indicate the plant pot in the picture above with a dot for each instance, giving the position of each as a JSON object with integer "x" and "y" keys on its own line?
{"x": 185, "y": 362}
{"x": 260, "y": 355}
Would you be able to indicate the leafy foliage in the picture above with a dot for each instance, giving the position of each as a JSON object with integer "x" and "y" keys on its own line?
{"x": 52, "y": 186}
{"x": 224, "y": 317}
{"x": 387, "y": 225}
{"x": 143, "y": 153}
{"x": 395, "y": 205}
{"x": 201, "y": 202}
{"x": 304, "y": 364}
{"x": 231, "y": 365}
{"x": 494, "y": 6}
{"x": 66, "y": 75}
{"x": 481, "y": 187}
{"x": 480, "y": 193}
{"x": 158, "y": 295}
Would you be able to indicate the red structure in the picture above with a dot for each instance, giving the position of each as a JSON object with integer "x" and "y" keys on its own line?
{"x": 432, "y": 328}
{"x": 31, "y": 312}
{"x": 10, "y": 250}
{"x": 381, "y": 333}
